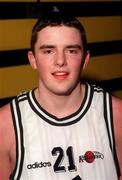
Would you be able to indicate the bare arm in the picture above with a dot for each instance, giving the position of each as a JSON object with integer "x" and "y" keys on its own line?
{"x": 6, "y": 143}
{"x": 117, "y": 115}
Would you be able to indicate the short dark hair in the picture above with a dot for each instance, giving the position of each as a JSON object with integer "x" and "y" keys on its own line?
{"x": 58, "y": 19}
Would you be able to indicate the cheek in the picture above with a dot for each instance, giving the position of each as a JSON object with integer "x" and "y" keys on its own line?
{"x": 76, "y": 65}
{"x": 43, "y": 69}
{"x": 76, "y": 69}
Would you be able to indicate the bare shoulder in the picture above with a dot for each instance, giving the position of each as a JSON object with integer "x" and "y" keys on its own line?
{"x": 5, "y": 111}
{"x": 7, "y": 142}
{"x": 5, "y": 118}
{"x": 117, "y": 117}
{"x": 117, "y": 108}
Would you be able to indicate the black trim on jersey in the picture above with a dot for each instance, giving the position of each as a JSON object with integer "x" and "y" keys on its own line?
{"x": 15, "y": 129}
{"x": 22, "y": 97}
{"x": 111, "y": 126}
{"x": 62, "y": 121}
{"x": 77, "y": 178}
{"x": 97, "y": 88}
{"x": 17, "y": 140}
{"x": 65, "y": 118}
{"x": 90, "y": 98}
{"x": 106, "y": 120}
{"x": 21, "y": 138}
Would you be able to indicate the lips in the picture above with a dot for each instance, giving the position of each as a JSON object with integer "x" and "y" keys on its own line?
{"x": 60, "y": 75}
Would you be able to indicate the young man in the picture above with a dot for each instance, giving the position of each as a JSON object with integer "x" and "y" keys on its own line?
{"x": 63, "y": 129}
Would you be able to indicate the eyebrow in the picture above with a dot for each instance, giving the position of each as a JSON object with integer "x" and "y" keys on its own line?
{"x": 47, "y": 46}
{"x": 74, "y": 46}
{"x": 53, "y": 46}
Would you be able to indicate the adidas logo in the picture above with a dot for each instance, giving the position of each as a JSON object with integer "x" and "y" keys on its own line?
{"x": 38, "y": 165}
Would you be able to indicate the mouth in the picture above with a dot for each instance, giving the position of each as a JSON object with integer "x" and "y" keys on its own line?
{"x": 60, "y": 75}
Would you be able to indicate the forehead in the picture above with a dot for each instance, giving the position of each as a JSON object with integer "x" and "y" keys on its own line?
{"x": 59, "y": 34}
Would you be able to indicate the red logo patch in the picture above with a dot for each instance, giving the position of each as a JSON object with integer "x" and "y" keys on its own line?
{"x": 90, "y": 156}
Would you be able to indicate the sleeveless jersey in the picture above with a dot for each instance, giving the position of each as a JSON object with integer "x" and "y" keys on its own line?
{"x": 77, "y": 147}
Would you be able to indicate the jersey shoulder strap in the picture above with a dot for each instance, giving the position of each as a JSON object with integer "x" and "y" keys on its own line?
{"x": 18, "y": 128}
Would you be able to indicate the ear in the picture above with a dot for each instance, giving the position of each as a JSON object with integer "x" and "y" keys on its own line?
{"x": 86, "y": 60}
{"x": 32, "y": 60}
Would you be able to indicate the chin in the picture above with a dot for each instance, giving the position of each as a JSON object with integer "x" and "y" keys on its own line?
{"x": 63, "y": 92}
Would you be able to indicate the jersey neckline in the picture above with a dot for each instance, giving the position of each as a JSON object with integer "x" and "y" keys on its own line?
{"x": 68, "y": 120}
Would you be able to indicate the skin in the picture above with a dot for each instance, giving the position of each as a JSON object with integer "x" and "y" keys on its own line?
{"x": 58, "y": 58}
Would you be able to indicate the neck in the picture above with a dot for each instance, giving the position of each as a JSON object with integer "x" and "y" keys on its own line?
{"x": 61, "y": 105}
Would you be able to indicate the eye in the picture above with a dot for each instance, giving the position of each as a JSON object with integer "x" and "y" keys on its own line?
{"x": 73, "y": 51}
{"x": 48, "y": 51}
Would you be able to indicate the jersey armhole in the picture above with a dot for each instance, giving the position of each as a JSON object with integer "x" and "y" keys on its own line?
{"x": 108, "y": 115}
{"x": 18, "y": 128}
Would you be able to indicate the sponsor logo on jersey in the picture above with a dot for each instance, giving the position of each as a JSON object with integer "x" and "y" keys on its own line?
{"x": 90, "y": 156}
{"x": 38, "y": 165}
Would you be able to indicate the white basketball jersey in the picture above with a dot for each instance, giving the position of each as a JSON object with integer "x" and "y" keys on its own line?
{"x": 77, "y": 147}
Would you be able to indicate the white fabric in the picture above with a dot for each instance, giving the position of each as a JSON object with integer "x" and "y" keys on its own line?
{"x": 51, "y": 145}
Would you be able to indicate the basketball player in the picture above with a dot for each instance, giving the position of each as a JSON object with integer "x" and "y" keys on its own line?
{"x": 61, "y": 130}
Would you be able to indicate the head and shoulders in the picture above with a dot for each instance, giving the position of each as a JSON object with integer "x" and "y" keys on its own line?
{"x": 59, "y": 52}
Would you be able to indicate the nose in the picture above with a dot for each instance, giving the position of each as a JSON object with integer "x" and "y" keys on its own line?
{"x": 60, "y": 59}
